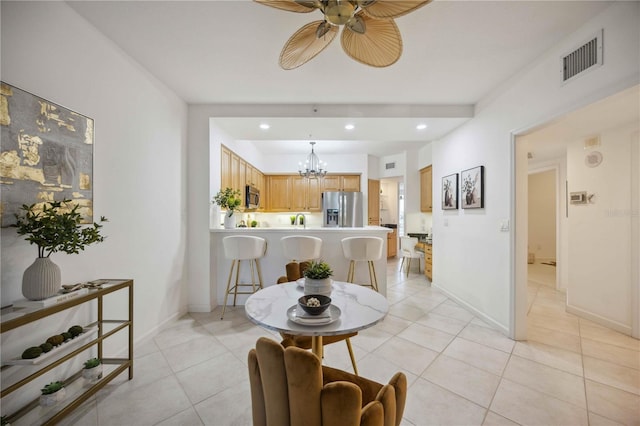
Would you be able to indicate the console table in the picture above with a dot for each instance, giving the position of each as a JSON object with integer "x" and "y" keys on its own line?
{"x": 13, "y": 318}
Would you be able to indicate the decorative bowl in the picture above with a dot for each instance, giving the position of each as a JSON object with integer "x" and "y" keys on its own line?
{"x": 325, "y": 302}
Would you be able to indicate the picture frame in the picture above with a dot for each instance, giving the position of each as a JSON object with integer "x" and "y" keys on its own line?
{"x": 450, "y": 192}
{"x": 46, "y": 154}
{"x": 472, "y": 188}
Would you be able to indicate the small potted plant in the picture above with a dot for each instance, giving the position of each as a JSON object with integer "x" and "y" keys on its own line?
{"x": 54, "y": 226}
{"x": 292, "y": 219}
{"x": 317, "y": 278}
{"x": 92, "y": 370}
{"x": 230, "y": 200}
{"x": 254, "y": 223}
{"x": 52, "y": 393}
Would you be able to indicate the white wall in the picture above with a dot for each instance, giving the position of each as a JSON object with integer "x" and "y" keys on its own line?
{"x": 600, "y": 238}
{"x": 542, "y": 215}
{"x": 472, "y": 257}
{"x": 139, "y": 160}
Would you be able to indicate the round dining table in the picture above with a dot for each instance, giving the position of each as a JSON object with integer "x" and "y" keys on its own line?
{"x": 354, "y": 308}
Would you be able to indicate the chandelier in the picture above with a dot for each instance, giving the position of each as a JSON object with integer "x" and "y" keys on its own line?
{"x": 313, "y": 168}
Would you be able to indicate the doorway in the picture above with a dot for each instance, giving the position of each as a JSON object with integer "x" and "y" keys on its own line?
{"x": 598, "y": 233}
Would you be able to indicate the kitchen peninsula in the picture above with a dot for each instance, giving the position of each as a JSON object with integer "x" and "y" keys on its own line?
{"x": 273, "y": 263}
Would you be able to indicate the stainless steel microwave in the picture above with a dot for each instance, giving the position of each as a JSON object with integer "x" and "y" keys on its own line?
{"x": 252, "y": 197}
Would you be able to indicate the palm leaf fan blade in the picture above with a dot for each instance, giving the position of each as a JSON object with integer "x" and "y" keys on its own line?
{"x": 288, "y": 5}
{"x": 385, "y": 9}
{"x": 304, "y": 45}
{"x": 379, "y": 46}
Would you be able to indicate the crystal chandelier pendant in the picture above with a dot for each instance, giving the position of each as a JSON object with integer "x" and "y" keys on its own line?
{"x": 313, "y": 167}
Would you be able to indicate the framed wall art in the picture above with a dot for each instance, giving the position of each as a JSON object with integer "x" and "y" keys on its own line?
{"x": 46, "y": 154}
{"x": 450, "y": 192}
{"x": 472, "y": 188}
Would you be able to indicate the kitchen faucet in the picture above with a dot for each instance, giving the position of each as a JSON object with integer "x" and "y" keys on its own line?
{"x": 304, "y": 220}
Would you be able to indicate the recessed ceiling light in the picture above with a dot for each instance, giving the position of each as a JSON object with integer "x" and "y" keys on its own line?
{"x": 264, "y": 126}
{"x": 349, "y": 127}
{"x": 421, "y": 126}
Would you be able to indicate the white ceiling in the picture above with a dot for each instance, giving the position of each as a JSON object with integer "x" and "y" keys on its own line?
{"x": 226, "y": 53}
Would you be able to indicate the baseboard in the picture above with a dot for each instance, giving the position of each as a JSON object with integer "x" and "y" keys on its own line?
{"x": 605, "y": 322}
{"x": 501, "y": 328}
{"x": 200, "y": 308}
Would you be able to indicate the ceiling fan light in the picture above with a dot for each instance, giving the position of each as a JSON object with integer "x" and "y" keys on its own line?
{"x": 339, "y": 12}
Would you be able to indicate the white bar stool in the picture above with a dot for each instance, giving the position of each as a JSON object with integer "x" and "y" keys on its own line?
{"x": 363, "y": 249}
{"x": 239, "y": 248}
{"x": 299, "y": 248}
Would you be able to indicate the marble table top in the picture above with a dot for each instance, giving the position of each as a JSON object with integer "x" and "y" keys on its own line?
{"x": 360, "y": 308}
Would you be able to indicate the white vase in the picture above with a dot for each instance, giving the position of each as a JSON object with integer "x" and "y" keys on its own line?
{"x": 322, "y": 287}
{"x": 53, "y": 398}
{"x": 41, "y": 280}
{"x": 229, "y": 221}
{"x": 92, "y": 374}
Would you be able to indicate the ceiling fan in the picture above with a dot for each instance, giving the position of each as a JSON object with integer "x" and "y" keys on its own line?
{"x": 370, "y": 35}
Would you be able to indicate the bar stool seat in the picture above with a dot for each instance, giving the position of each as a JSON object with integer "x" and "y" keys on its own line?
{"x": 363, "y": 249}
{"x": 238, "y": 248}
{"x": 300, "y": 248}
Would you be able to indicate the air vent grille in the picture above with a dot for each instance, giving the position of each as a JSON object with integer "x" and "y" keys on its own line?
{"x": 388, "y": 166}
{"x": 583, "y": 58}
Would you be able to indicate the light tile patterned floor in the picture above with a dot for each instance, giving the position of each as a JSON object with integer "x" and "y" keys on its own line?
{"x": 460, "y": 370}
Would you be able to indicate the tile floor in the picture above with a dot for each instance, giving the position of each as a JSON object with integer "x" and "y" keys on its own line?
{"x": 460, "y": 370}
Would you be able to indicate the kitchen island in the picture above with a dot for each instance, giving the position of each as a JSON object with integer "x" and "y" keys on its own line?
{"x": 273, "y": 263}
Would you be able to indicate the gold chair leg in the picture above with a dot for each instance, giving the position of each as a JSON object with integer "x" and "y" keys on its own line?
{"x": 259, "y": 273}
{"x": 353, "y": 358}
{"x": 408, "y": 266}
{"x": 253, "y": 278}
{"x": 402, "y": 263}
{"x": 372, "y": 276}
{"x": 235, "y": 288}
{"x": 226, "y": 293}
{"x": 350, "y": 274}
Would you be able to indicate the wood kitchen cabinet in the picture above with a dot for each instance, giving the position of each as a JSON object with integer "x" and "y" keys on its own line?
{"x": 236, "y": 173}
{"x": 350, "y": 183}
{"x": 428, "y": 259}
{"x": 291, "y": 193}
{"x": 392, "y": 243}
{"x": 426, "y": 189}
{"x": 374, "y": 202}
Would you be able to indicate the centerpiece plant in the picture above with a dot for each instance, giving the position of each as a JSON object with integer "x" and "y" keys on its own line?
{"x": 318, "y": 278}
{"x": 230, "y": 200}
{"x": 52, "y": 393}
{"x": 53, "y": 227}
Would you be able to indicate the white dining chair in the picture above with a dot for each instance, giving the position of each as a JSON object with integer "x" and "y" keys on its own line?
{"x": 408, "y": 251}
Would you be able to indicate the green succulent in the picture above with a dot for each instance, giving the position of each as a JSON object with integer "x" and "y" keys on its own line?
{"x": 56, "y": 340}
{"x": 46, "y": 347}
{"x": 4, "y": 420}
{"x": 318, "y": 270}
{"x": 32, "y": 352}
{"x": 52, "y": 387}
{"x": 92, "y": 363}
{"x": 67, "y": 335}
{"x": 76, "y": 330}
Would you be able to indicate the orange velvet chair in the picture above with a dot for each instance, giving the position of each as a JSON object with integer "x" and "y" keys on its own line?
{"x": 290, "y": 387}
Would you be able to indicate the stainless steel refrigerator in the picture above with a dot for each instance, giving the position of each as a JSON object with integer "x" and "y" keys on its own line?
{"x": 342, "y": 209}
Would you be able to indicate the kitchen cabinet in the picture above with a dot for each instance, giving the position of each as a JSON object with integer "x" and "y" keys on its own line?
{"x": 350, "y": 183}
{"x": 392, "y": 243}
{"x": 428, "y": 259}
{"x": 236, "y": 173}
{"x": 374, "y": 202}
{"x": 77, "y": 391}
{"x": 426, "y": 189}
{"x": 291, "y": 193}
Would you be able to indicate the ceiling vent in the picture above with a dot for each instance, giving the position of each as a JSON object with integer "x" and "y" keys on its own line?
{"x": 388, "y": 166}
{"x": 585, "y": 57}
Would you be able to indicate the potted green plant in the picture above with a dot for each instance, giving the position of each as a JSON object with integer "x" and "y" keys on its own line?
{"x": 230, "y": 200}
{"x": 317, "y": 278}
{"x": 52, "y": 393}
{"x": 53, "y": 226}
{"x": 92, "y": 370}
